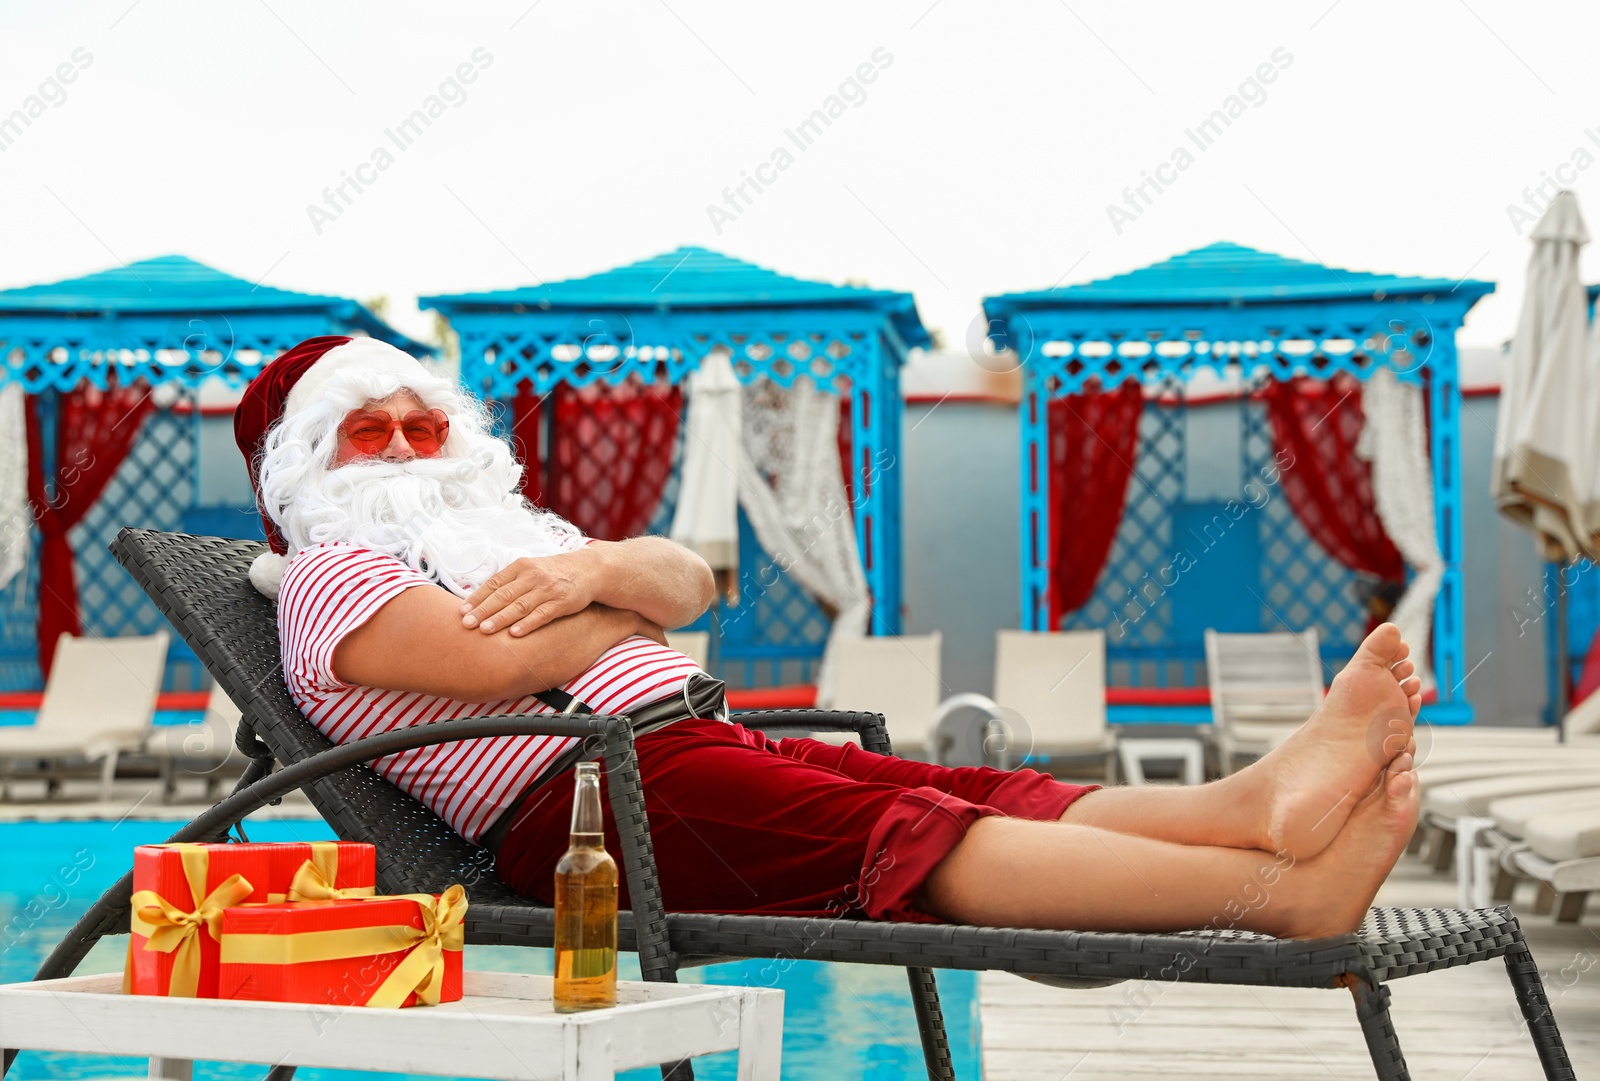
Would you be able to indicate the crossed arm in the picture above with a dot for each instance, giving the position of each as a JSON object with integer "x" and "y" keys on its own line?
{"x": 537, "y": 624}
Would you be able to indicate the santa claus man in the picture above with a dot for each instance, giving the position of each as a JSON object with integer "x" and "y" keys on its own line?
{"x": 415, "y": 583}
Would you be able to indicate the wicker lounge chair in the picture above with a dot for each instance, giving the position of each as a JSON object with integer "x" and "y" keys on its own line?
{"x": 199, "y": 582}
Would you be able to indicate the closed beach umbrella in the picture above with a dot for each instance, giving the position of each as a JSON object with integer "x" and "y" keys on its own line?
{"x": 707, "y": 516}
{"x": 1543, "y": 473}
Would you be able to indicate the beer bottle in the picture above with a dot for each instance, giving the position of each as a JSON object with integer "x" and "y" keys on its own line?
{"x": 586, "y": 906}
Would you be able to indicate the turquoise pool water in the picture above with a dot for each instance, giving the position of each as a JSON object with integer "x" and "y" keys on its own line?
{"x": 840, "y": 1021}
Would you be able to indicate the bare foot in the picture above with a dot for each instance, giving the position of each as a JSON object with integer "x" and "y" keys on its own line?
{"x": 1314, "y": 779}
{"x": 1330, "y": 895}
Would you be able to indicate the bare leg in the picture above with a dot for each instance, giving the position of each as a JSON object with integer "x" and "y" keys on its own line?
{"x": 1297, "y": 797}
{"x": 1227, "y": 813}
{"x": 1086, "y": 879}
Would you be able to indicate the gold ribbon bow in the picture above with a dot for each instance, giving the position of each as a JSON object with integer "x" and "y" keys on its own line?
{"x": 314, "y": 879}
{"x": 170, "y": 929}
{"x": 422, "y": 970}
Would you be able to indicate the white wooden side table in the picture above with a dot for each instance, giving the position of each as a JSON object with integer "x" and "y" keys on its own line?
{"x": 505, "y": 1027}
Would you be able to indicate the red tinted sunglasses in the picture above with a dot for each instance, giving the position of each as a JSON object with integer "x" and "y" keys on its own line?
{"x": 370, "y": 433}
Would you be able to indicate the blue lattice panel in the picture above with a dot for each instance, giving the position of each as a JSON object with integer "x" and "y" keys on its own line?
{"x": 542, "y": 350}
{"x": 1318, "y": 340}
{"x": 48, "y": 353}
{"x": 1178, "y": 566}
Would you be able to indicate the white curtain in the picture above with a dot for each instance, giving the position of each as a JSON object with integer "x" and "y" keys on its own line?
{"x": 706, "y": 520}
{"x": 792, "y": 491}
{"x": 15, "y": 517}
{"x": 1395, "y": 441}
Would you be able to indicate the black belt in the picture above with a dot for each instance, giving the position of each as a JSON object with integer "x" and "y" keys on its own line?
{"x": 701, "y": 696}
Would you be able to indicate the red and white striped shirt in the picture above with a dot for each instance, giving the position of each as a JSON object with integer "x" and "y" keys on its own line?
{"x": 330, "y": 590}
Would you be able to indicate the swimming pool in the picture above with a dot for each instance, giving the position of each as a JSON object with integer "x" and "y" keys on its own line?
{"x": 840, "y": 1021}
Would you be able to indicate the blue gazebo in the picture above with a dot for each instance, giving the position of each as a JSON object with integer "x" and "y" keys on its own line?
{"x": 155, "y": 332}
{"x": 1239, "y": 319}
{"x": 650, "y": 324}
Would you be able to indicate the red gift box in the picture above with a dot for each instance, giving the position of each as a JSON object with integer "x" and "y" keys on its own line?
{"x": 178, "y": 906}
{"x": 338, "y": 869}
{"x": 383, "y": 951}
{"x": 179, "y": 894}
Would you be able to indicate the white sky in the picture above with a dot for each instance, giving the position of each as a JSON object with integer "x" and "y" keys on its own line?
{"x": 981, "y": 161}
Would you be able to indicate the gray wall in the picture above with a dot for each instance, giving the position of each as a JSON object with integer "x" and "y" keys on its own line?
{"x": 1502, "y": 576}
{"x": 961, "y": 529}
{"x": 224, "y": 480}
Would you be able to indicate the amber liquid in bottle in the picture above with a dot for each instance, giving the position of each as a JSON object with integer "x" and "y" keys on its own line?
{"x": 586, "y": 907}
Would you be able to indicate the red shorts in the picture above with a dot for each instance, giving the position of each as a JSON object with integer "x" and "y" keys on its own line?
{"x": 794, "y": 827}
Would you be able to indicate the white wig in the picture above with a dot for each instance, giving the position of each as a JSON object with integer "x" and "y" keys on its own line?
{"x": 457, "y": 518}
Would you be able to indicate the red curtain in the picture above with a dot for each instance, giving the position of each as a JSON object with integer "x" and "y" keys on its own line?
{"x": 847, "y": 467}
{"x": 1589, "y": 677}
{"x": 1094, "y": 441}
{"x": 95, "y": 430}
{"x": 609, "y": 453}
{"x": 1327, "y": 485}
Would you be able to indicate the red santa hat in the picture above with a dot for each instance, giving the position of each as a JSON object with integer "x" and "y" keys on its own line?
{"x": 286, "y": 386}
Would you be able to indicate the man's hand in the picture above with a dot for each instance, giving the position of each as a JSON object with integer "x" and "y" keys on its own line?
{"x": 533, "y": 592}
{"x": 665, "y": 583}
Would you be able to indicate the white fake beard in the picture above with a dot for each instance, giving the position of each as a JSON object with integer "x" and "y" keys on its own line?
{"x": 447, "y": 518}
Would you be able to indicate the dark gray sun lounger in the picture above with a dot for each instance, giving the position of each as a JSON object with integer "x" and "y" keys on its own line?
{"x": 200, "y": 584}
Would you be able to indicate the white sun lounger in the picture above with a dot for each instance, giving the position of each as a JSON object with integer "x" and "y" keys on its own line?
{"x": 1051, "y": 688}
{"x": 1263, "y": 687}
{"x": 1510, "y": 817}
{"x": 1562, "y": 851}
{"x": 1532, "y": 835}
{"x": 1474, "y": 734}
{"x": 1512, "y": 814}
{"x": 1573, "y": 834}
{"x": 1431, "y": 773}
{"x": 1445, "y": 803}
{"x": 203, "y": 748}
{"x": 1459, "y": 814}
{"x": 899, "y": 677}
{"x": 1432, "y": 747}
{"x": 1454, "y": 822}
{"x": 98, "y": 703}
